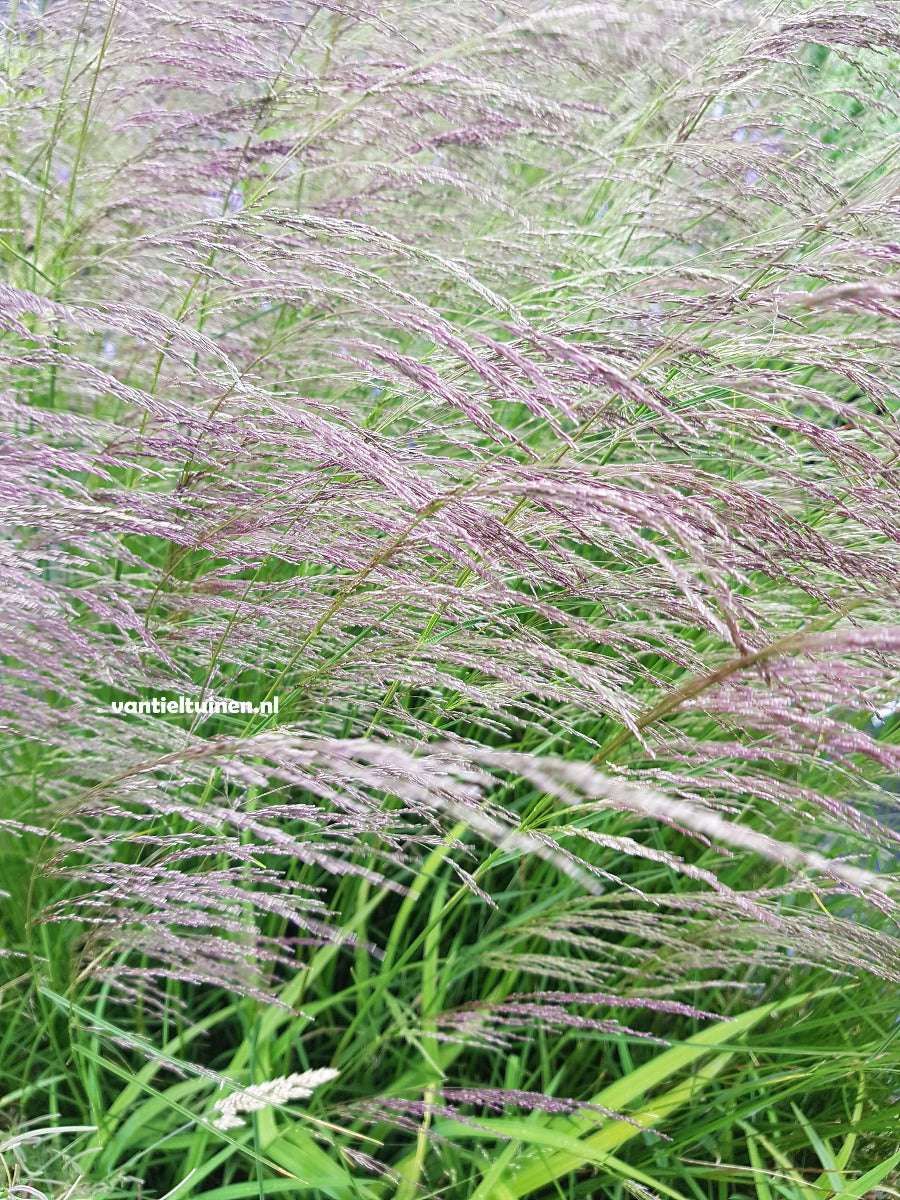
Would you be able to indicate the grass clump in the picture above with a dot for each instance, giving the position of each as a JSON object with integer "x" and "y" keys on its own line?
{"x": 510, "y": 392}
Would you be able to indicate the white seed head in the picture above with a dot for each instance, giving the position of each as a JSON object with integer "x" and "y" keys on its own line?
{"x": 298, "y": 1086}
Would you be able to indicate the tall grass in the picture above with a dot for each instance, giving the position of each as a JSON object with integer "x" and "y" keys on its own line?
{"x": 510, "y": 390}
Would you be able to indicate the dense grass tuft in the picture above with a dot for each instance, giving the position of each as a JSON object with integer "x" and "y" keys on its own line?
{"x": 510, "y": 391}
